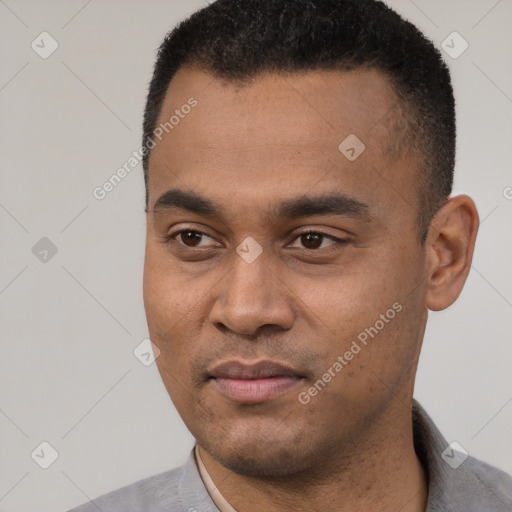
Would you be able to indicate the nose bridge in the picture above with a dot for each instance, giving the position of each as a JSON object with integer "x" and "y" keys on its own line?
{"x": 251, "y": 296}
{"x": 249, "y": 282}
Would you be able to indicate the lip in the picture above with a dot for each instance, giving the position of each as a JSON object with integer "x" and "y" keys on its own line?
{"x": 253, "y": 383}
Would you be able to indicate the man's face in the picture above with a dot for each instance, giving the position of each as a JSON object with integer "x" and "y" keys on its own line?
{"x": 243, "y": 341}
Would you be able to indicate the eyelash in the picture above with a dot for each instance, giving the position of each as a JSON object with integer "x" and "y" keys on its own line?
{"x": 338, "y": 241}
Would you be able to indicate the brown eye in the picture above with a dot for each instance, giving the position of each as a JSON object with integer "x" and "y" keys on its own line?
{"x": 191, "y": 238}
{"x": 313, "y": 240}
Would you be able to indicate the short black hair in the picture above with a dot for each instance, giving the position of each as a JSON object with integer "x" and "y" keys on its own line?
{"x": 235, "y": 40}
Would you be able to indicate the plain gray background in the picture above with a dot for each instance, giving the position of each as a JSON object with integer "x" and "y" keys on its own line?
{"x": 69, "y": 324}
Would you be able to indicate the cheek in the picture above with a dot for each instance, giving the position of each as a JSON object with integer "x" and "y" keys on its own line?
{"x": 169, "y": 294}
{"x": 347, "y": 303}
{"x": 369, "y": 314}
{"x": 168, "y": 307}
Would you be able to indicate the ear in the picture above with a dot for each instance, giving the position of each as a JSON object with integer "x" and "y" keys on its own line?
{"x": 449, "y": 249}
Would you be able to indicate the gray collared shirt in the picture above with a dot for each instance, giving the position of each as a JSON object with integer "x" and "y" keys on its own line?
{"x": 455, "y": 483}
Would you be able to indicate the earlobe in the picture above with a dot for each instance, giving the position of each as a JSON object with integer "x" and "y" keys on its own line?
{"x": 450, "y": 244}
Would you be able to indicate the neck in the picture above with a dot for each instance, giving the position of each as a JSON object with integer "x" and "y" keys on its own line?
{"x": 380, "y": 472}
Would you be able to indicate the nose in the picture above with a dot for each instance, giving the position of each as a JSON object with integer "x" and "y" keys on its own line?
{"x": 252, "y": 295}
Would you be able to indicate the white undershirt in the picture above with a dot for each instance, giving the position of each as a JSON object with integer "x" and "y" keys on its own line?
{"x": 219, "y": 500}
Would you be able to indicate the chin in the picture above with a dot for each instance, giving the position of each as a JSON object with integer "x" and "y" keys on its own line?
{"x": 264, "y": 452}
{"x": 256, "y": 462}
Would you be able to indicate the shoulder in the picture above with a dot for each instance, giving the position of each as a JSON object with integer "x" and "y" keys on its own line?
{"x": 157, "y": 493}
{"x": 492, "y": 487}
{"x": 457, "y": 481}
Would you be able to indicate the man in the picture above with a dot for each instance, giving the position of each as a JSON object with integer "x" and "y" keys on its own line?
{"x": 298, "y": 163}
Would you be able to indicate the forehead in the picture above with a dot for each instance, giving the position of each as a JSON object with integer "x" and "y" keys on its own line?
{"x": 277, "y": 132}
{"x": 315, "y": 104}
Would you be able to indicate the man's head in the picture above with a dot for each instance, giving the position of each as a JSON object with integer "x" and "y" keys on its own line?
{"x": 292, "y": 248}
{"x": 236, "y": 40}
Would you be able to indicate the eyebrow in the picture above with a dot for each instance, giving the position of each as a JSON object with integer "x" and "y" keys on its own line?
{"x": 304, "y": 206}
